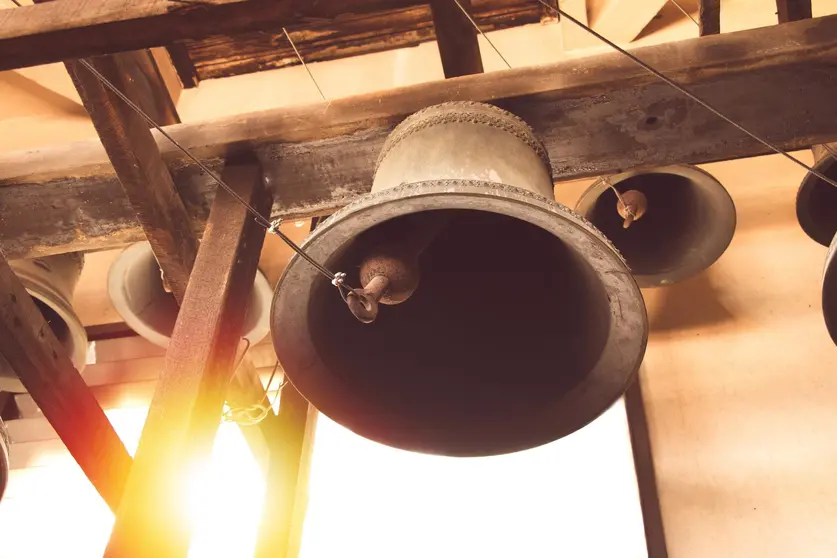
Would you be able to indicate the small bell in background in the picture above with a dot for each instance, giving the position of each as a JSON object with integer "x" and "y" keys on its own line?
{"x": 669, "y": 223}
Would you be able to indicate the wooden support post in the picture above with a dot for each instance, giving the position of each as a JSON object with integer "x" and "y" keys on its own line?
{"x": 793, "y": 10}
{"x": 287, "y": 480}
{"x": 457, "y": 38}
{"x": 135, "y": 157}
{"x": 186, "y": 409}
{"x": 143, "y": 175}
{"x": 31, "y": 349}
{"x": 649, "y": 499}
{"x": 710, "y": 17}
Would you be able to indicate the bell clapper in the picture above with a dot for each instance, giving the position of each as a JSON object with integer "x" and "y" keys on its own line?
{"x": 364, "y": 302}
{"x": 389, "y": 274}
{"x": 631, "y": 206}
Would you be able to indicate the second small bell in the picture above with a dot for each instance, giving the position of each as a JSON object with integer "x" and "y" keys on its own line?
{"x": 669, "y": 222}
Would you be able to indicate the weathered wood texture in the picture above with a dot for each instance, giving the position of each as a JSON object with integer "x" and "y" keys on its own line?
{"x": 404, "y": 23}
{"x": 456, "y": 37}
{"x": 646, "y": 477}
{"x": 595, "y": 115}
{"x": 710, "y": 17}
{"x": 185, "y": 411}
{"x": 135, "y": 157}
{"x": 54, "y": 32}
{"x": 793, "y": 10}
{"x": 289, "y": 460}
{"x": 31, "y": 349}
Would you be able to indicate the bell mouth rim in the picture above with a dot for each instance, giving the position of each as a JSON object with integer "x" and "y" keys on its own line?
{"x": 725, "y": 229}
{"x": 5, "y": 463}
{"x": 829, "y": 290}
{"x": 607, "y": 381}
{"x": 809, "y": 225}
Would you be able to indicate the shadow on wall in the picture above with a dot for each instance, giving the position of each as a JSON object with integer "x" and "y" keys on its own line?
{"x": 692, "y": 303}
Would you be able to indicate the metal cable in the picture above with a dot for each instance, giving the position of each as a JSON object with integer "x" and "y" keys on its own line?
{"x": 685, "y": 13}
{"x": 272, "y": 227}
{"x": 304, "y": 65}
{"x": 689, "y": 94}
{"x": 484, "y": 36}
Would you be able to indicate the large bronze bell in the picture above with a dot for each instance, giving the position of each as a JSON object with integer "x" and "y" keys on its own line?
{"x": 816, "y": 200}
{"x": 506, "y": 321}
{"x": 816, "y": 210}
{"x": 829, "y": 290}
{"x": 5, "y": 443}
{"x": 669, "y": 222}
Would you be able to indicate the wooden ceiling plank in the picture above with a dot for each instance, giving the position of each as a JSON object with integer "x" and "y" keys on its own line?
{"x": 710, "y": 17}
{"x": 40, "y": 361}
{"x": 335, "y": 38}
{"x": 596, "y": 115}
{"x": 185, "y": 411}
{"x": 53, "y": 32}
{"x": 793, "y": 10}
{"x": 456, "y": 37}
{"x": 135, "y": 156}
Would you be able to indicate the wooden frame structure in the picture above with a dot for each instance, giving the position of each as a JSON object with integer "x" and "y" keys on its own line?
{"x": 597, "y": 115}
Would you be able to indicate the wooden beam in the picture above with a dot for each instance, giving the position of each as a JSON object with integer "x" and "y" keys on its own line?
{"x": 456, "y": 37}
{"x": 234, "y": 37}
{"x": 646, "y": 477}
{"x": 596, "y": 115}
{"x": 793, "y": 10}
{"x": 148, "y": 184}
{"x": 186, "y": 409}
{"x": 287, "y": 478}
{"x": 622, "y": 21}
{"x": 31, "y": 349}
{"x": 135, "y": 157}
{"x": 53, "y": 32}
{"x": 710, "y": 17}
{"x": 404, "y": 23}
{"x": 168, "y": 75}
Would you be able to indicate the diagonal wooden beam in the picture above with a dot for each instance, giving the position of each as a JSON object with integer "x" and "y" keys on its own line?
{"x": 456, "y": 37}
{"x": 186, "y": 409}
{"x": 595, "y": 115}
{"x": 135, "y": 156}
{"x": 287, "y": 478}
{"x": 290, "y": 449}
{"x": 710, "y": 17}
{"x": 646, "y": 476}
{"x": 793, "y": 10}
{"x": 29, "y": 345}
